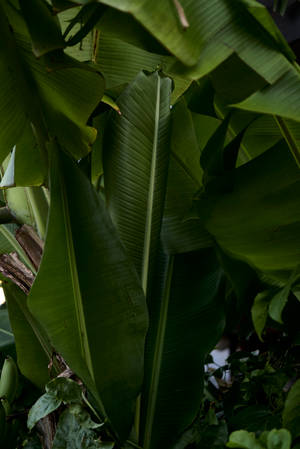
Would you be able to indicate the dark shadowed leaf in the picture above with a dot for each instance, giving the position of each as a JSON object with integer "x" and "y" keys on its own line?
{"x": 67, "y": 390}
{"x": 186, "y": 322}
{"x": 291, "y": 412}
{"x": 34, "y": 350}
{"x": 43, "y": 26}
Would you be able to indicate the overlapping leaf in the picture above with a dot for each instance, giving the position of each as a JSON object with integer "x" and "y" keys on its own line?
{"x": 258, "y": 220}
{"x": 54, "y": 101}
{"x": 135, "y": 167}
{"x": 87, "y": 295}
{"x": 34, "y": 350}
{"x": 186, "y": 322}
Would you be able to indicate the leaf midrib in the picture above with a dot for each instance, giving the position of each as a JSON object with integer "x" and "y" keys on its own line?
{"x": 80, "y": 318}
{"x": 158, "y": 354}
{"x": 149, "y": 216}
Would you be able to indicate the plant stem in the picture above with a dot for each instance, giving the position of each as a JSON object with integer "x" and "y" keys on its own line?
{"x": 19, "y": 250}
{"x": 157, "y": 358}
{"x": 85, "y": 399}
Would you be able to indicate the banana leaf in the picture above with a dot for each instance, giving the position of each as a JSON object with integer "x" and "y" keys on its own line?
{"x": 257, "y": 221}
{"x": 87, "y": 295}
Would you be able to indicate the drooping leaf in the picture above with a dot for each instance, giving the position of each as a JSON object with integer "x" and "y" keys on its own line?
{"x": 264, "y": 18}
{"x": 291, "y": 412}
{"x": 214, "y": 28}
{"x": 80, "y": 308}
{"x": 43, "y": 26}
{"x": 280, "y": 98}
{"x": 63, "y": 98}
{"x": 257, "y": 222}
{"x": 12, "y": 112}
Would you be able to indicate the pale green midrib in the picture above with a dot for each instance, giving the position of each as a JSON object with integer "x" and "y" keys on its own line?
{"x": 6, "y": 332}
{"x": 157, "y": 359}
{"x": 15, "y": 244}
{"x": 40, "y": 220}
{"x": 149, "y": 216}
{"x": 83, "y": 337}
{"x": 288, "y": 138}
{"x": 80, "y": 318}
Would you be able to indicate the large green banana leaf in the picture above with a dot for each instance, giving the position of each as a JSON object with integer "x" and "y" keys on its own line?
{"x": 87, "y": 295}
{"x": 281, "y": 98}
{"x": 63, "y": 93}
{"x": 135, "y": 167}
{"x": 186, "y": 30}
{"x": 187, "y": 320}
{"x": 203, "y": 34}
{"x": 125, "y": 48}
{"x": 257, "y": 221}
{"x": 135, "y": 176}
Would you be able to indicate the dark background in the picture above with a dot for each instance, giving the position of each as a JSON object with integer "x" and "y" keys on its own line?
{"x": 289, "y": 24}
